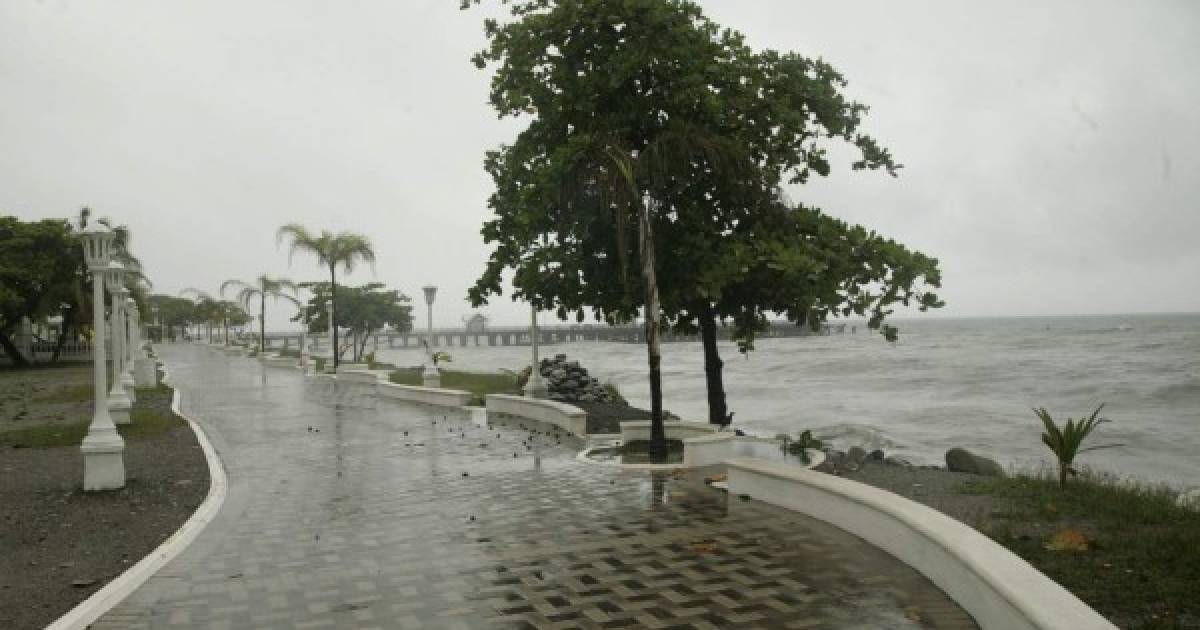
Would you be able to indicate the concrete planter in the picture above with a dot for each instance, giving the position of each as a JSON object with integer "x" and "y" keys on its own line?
{"x": 567, "y": 417}
{"x": 639, "y": 430}
{"x": 423, "y": 395}
{"x": 996, "y": 587}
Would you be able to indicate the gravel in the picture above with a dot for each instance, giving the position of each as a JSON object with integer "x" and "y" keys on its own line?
{"x": 58, "y": 545}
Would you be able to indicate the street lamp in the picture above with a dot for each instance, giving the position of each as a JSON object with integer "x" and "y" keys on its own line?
{"x": 430, "y": 377}
{"x": 118, "y": 400}
{"x": 128, "y": 344}
{"x": 330, "y": 366}
{"x": 535, "y": 387}
{"x": 103, "y": 449}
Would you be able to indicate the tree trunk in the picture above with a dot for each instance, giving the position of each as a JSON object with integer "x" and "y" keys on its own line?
{"x": 262, "y": 322}
{"x": 333, "y": 313}
{"x": 14, "y": 355}
{"x": 717, "y": 412}
{"x": 362, "y": 348}
{"x": 658, "y": 434}
{"x": 62, "y": 341}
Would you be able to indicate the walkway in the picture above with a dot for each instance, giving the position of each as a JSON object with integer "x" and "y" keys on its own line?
{"x": 345, "y": 511}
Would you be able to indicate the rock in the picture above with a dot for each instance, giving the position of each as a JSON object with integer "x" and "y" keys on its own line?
{"x": 962, "y": 460}
{"x": 855, "y": 455}
{"x": 897, "y": 461}
{"x": 876, "y": 455}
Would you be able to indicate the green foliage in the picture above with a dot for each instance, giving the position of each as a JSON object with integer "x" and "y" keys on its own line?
{"x": 647, "y": 108}
{"x": 800, "y": 445}
{"x": 1065, "y": 442}
{"x": 478, "y": 383}
{"x": 262, "y": 288}
{"x": 1143, "y": 562}
{"x": 342, "y": 250}
{"x": 40, "y": 271}
{"x": 363, "y": 310}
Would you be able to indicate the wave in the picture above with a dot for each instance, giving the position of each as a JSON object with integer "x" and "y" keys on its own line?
{"x": 1178, "y": 392}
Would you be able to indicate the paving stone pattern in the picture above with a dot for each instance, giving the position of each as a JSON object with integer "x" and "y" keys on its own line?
{"x": 345, "y": 511}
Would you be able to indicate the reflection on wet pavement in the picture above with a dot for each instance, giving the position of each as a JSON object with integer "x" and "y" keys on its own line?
{"x": 348, "y": 511}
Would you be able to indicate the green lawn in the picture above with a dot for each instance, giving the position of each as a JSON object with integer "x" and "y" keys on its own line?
{"x": 480, "y": 385}
{"x": 145, "y": 421}
{"x": 1142, "y": 565}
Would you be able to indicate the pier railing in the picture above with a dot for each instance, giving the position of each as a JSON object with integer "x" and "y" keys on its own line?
{"x": 547, "y": 335}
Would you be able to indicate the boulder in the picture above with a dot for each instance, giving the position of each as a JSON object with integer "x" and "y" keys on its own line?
{"x": 876, "y": 455}
{"x": 896, "y": 461}
{"x": 856, "y": 455}
{"x": 962, "y": 460}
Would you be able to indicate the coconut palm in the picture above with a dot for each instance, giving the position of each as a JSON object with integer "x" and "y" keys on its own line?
{"x": 344, "y": 249}
{"x": 262, "y": 288}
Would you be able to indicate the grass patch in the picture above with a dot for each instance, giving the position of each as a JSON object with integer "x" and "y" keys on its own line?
{"x": 68, "y": 394}
{"x": 479, "y": 384}
{"x": 1142, "y": 565}
{"x": 146, "y": 420}
{"x": 45, "y": 435}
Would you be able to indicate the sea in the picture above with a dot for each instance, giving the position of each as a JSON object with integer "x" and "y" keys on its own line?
{"x": 947, "y": 382}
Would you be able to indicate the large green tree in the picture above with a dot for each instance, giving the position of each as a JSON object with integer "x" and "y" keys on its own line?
{"x": 363, "y": 310}
{"x": 644, "y": 113}
{"x": 342, "y": 250}
{"x": 802, "y": 264}
{"x": 38, "y": 273}
{"x": 259, "y": 290}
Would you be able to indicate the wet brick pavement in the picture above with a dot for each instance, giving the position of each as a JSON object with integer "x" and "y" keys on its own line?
{"x": 349, "y": 512}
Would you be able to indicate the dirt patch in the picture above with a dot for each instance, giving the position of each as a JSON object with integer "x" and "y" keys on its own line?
{"x": 58, "y": 545}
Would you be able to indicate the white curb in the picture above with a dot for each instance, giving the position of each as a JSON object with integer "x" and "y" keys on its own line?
{"x": 113, "y": 593}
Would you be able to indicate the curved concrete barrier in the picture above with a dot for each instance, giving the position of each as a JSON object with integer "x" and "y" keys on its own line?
{"x": 89, "y": 610}
{"x": 570, "y": 418}
{"x": 366, "y": 377}
{"x": 424, "y": 395}
{"x": 707, "y": 450}
{"x": 639, "y": 430}
{"x": 276, "y": 361}
{"x": 996, "y": 587}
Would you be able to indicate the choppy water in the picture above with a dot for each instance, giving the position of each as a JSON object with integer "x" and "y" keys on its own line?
{"x": 947, "y": 382}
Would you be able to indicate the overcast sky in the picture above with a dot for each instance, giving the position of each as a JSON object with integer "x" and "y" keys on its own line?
{"x": 1050, "y": 149}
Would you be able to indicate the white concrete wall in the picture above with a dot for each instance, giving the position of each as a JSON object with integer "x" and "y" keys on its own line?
{"x": 996, "y": 587}
{"x": 567, "y": 417}
{"x": 363, "y": 376}
{"x": 423, "y": 395}
{"x": 707, "y": 450}
{"x": 639, "y": 430}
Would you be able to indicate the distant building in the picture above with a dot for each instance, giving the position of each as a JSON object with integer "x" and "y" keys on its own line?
{"x": 476, "y": 323}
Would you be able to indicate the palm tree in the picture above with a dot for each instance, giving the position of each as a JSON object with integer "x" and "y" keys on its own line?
{"x": 206, "y": 308}
{"x": 344, "y": 249}
{"x": 263, "y": 287}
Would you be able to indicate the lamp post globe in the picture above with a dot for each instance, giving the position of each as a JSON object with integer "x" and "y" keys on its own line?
{"x": 430, "y": 377}
{"x": 103, "y": 449}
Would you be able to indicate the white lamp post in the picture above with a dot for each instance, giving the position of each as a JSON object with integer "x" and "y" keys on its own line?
{"x": 118, "y": 401}
{"x": 128, "y": 339}
{"x": 431, "y": 377}
{"x": 103, "y": 449}
{"x": 329, "y": 368}
{"x": 535, "y": 387}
